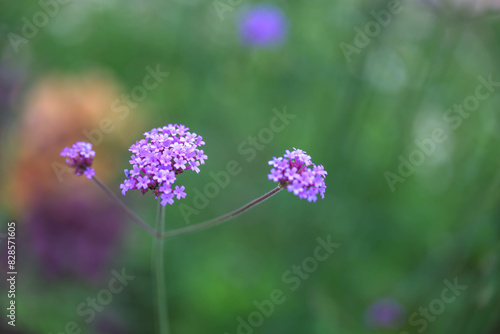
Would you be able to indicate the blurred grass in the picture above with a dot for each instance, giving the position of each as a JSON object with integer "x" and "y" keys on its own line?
{"x": 355, "y": 118}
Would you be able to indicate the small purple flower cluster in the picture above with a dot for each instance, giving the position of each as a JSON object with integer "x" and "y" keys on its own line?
{"x": 291, "y": 172}
{"x": 80, "y": 156}
{"x": 157, "y": 160}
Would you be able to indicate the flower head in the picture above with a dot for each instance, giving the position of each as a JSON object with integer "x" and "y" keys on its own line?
{"x": 292, "y": 172}
{"x": 80, "y": 157}
{"x": 158, "y": 159}
{"x": 263, "y": 25}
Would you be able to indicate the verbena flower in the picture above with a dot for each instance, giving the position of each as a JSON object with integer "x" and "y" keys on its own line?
{"x": 263, "y": 25}
{"x": 292, "y": 172}
{"x": 80, "y": 157}
{"x": 157, "y": 160}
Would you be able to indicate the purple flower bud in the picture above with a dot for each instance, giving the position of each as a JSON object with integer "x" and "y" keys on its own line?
{"x": 157, "y": 160}
{"x": 80, "y": 157}
{"x": 291, "y": 172}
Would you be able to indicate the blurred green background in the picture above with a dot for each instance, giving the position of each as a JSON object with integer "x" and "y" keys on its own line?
{"x": 355, "y": 116}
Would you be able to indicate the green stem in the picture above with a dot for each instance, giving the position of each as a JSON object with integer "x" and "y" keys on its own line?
{"x": 221, "y": 219}
{"x": 161, "y": 292}
{"x": 125, "y": 209}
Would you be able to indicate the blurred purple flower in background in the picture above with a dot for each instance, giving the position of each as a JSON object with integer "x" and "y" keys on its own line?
{"x": 385, "y": 313}
{"x": 74, "y": 236}
{"x": 263, "y": 25}
{"x": 12, "y": 80}
{"x": 109, "y": 322}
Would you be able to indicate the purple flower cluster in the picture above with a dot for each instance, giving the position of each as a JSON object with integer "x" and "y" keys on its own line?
{"x": 80, "y": 156}
{"x": 157, "y": 160}
{"x": 291, "y": 172}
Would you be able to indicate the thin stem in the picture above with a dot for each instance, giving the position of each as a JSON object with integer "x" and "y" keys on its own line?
{"x": 161, "y": 292}
{"x": 221, "y": 219}
{"x": 122, "y": 205}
